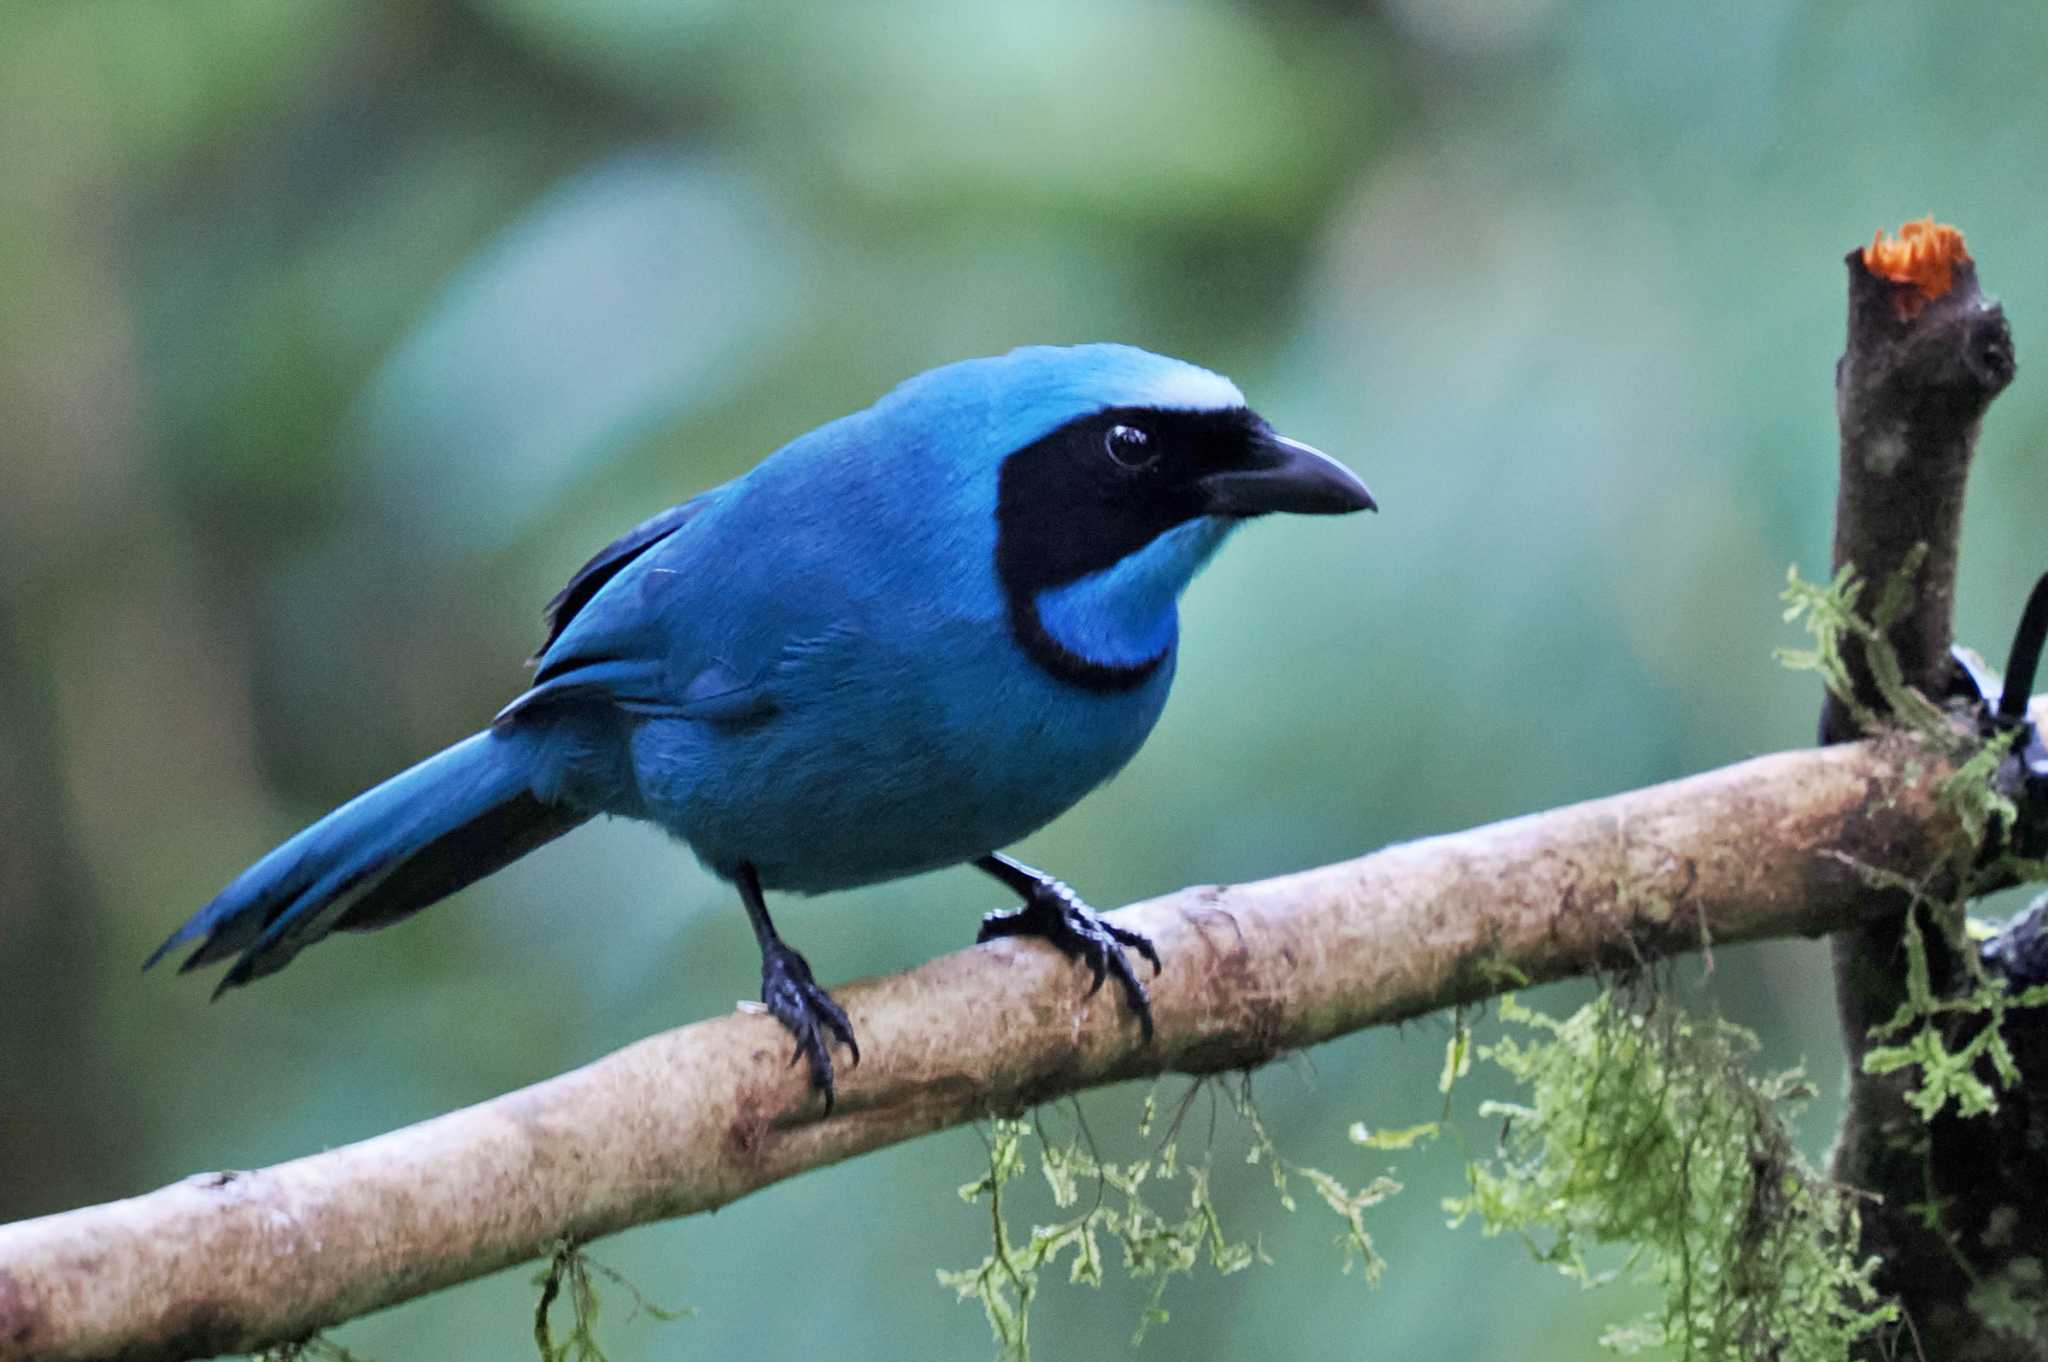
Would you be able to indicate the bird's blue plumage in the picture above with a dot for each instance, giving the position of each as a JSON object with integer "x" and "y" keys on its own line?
{"x": 824, "y": 684}
{"x": 903, "y": 641}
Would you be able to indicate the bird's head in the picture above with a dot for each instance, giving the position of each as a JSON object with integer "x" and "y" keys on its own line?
{"x": 1155, "y": 444}
{"x": 1119, "y": 473}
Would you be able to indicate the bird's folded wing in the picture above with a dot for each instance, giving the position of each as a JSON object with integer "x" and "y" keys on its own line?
{"x": 643, "y": 629}
{"x": 640, "y": 686}
{"x": 608, "y": 561}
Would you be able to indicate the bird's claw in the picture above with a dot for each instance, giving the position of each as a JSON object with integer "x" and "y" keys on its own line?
{"x": 1055, "y": 913}
{"x": 807, "y": 1011}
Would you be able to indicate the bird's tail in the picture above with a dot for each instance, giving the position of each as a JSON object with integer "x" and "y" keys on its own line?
{"x": 418, "y": 837}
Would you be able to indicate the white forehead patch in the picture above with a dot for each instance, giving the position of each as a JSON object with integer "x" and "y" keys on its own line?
{"x": 1183, "y": 387}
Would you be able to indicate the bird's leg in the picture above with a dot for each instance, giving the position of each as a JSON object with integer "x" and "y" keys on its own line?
{"x": 1055, "y": 912}
{"x": 792, "y": 995}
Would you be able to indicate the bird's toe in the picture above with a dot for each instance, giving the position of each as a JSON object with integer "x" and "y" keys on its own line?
{"x": 809, "y": 1014}
{"x": 1000, "y": 924}
{"x": 835, "y": 1020}
{"x": 1135, "y": 995}
{"x": 1058, "y": 915}
{"x": 1137, "y": 941}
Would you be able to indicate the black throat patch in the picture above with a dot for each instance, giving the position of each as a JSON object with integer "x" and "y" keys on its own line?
{"x": 1082, "y": 499}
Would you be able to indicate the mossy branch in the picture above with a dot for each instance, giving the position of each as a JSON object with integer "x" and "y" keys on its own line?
{"x": 693, "y": 1119}
{"x": 1950, "y": 1155}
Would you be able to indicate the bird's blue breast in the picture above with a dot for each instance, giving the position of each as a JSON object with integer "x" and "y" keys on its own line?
{"x": 900, "y": 772}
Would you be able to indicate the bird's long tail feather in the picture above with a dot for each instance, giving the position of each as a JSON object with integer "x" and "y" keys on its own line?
{"x": 418, "y": 837}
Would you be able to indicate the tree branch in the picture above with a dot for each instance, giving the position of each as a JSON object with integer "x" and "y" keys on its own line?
{"x": 1926, "y": 353}
{"x": 1953, "y": 1198}
{"x": 693, "y": 1119}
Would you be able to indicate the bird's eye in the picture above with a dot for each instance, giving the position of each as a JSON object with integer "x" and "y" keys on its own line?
{"x": 1130, "y": 446}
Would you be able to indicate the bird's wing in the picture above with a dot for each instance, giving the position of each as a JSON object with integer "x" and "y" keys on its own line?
{"x": 606, "y": 563}
{"x": 684, "y": 616}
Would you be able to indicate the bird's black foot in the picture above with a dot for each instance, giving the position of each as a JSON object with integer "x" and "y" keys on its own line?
{"x": 1056, "y": 913}
{"x": 794, "y": 999}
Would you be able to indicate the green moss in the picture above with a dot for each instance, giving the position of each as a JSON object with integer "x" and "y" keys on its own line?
{"x": 1157, "y": 1245}
{"x": 1917, "y": 1037}
{"x": 1831, "y": 617}
{"x": 570, "y": 1269}
{"x": 1645, "y": 1130}
{"x": 1922, "y": 1033}
{"x": 1969, "y": 795}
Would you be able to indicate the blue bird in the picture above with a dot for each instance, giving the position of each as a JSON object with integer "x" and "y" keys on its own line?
{"x": 903, "y": 641}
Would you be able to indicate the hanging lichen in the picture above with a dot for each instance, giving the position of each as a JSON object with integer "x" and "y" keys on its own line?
{"x": 1157, "y": 1245}
{"x": 1643, "y": 1129}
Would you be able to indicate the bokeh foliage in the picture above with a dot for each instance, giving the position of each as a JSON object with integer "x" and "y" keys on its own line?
{"x": 333, "y": 334}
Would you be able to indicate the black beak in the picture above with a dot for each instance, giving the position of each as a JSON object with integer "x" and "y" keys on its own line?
{"x": 1279, "y": 474}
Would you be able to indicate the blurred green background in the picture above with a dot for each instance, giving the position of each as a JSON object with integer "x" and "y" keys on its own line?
{"x": 334, "y": 334}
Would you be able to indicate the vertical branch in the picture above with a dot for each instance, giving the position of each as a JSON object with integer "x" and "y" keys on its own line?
{"x": 1926, "y": 354}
